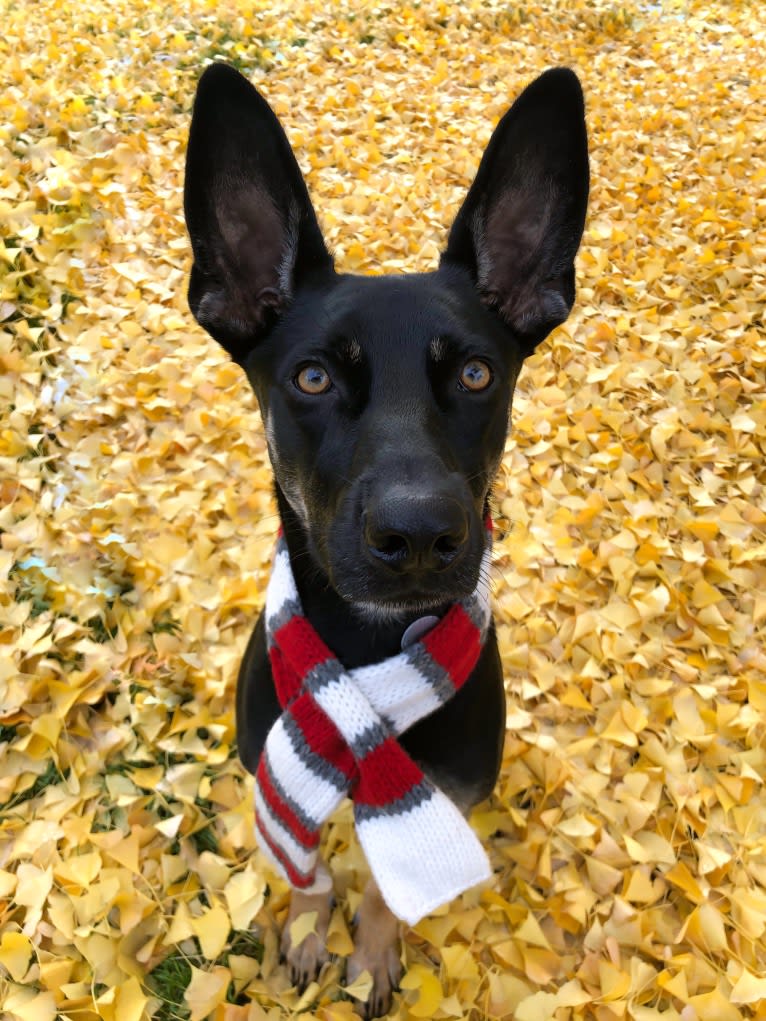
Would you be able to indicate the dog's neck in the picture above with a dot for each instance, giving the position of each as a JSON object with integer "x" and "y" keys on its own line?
{"x": 353, "y": 636}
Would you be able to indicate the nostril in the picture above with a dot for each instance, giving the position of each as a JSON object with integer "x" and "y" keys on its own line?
{"x": 446, "y": 545}
{"x": 390, "y": 546}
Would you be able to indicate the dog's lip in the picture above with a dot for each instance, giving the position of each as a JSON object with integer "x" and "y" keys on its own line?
{"x": 411, "y": 607}
{"x": 402, "y": 613}
{"x": 406, "y": 606}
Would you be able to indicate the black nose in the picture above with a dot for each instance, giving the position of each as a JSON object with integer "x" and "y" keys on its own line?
{"x": 416, "y": 533}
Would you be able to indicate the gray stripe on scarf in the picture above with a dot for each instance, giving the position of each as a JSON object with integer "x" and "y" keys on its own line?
{"x": 289, "y": 609}
{"x": 478, "y": 611}
{"x": 322, "y": 674}
{"x": 369, "y": 740}
{"x": 437, "y": 676}
{"x": 304, "y": 819}
{"x": 269, "y": 840}
{"x": 421, "y": 792}
{"x": 325, "y": 673}
{"x": 316, "y": 763}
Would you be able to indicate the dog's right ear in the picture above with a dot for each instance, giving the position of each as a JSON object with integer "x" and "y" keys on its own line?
{"x": 253, "y": 229}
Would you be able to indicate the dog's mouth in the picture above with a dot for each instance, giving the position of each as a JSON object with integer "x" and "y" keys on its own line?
{"x": 376, "y": 595}
{"x": 404, "y": 612}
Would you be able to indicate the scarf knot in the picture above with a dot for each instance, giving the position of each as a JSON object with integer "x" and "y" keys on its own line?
{"x": 337, "y": 737}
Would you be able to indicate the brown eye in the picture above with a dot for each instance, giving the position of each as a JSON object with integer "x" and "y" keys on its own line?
{"x": 312, "y": 379}
{"x": 476, "y": 375}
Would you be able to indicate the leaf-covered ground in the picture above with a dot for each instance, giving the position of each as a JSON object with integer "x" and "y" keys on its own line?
{"x": 628, "y": 830}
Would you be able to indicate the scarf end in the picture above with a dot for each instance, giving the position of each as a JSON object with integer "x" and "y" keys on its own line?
{"x": 422, "y": 858}
{"x": 416, "y": 909}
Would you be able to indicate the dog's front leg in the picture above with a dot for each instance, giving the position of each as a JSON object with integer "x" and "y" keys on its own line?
{"x": 376, "y": 950}
{"x": 306, "y": 956}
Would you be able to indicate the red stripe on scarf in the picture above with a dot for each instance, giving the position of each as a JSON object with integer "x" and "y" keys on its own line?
{"x": 286, "y": 681}
{"x": 455, "y": 645}
{"x": 297, "y": 879}
{"x": 302, "y": 646}
{"x": 321, "y": 735}
{"x": 308, "y": 838}
{"x": 386, "y": 775}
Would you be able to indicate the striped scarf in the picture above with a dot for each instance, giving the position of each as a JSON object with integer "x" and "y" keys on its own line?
{"x": 337, "y": 737}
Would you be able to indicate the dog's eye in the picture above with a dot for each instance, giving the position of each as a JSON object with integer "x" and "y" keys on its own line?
{"x": 312, "y": 379}
{"x": 476, "y": 375}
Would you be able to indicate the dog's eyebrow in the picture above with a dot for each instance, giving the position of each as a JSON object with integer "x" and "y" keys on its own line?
{"x": 349, "y": 349}
{"x": 438, "y": 349}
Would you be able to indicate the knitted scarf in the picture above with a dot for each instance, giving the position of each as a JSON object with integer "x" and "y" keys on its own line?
{"x": 337, "y": 737}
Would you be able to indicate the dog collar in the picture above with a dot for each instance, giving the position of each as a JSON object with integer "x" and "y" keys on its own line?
{"x": 417, "y": 629}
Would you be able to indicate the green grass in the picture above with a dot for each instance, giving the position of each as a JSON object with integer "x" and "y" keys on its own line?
{"x": 50, "y": 777}
{"x": 168, "y": 981}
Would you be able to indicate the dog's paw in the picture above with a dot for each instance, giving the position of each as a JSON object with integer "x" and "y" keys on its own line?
{"x": 305, "y": 960}
{"x": 385, "y": 968}
{"x": 305, "y": 952}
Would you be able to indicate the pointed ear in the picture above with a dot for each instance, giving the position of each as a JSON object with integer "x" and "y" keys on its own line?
{"x": 521, "y": 223}
{"x": 253, "y": 229}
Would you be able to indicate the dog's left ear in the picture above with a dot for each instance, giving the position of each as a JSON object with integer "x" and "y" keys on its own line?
{"x": 520, "y": 225}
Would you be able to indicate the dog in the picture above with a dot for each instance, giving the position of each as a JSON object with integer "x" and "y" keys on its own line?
{"x": 386, "y": 403}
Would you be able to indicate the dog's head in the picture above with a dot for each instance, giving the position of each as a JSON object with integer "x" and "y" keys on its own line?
{"x": 385, "y": 399}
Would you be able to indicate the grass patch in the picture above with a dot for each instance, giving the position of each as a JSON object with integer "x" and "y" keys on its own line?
{"x": 170, "y": 979}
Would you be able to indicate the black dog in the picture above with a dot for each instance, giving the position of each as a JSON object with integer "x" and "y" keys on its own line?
{"x": 386, "y": 403}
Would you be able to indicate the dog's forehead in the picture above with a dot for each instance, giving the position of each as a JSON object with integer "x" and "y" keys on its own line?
{"x": 398, "y": 310}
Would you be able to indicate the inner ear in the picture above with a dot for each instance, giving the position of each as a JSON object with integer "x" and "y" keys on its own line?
{"x": 258, "y": 242}
{"x": 520, "y": 225}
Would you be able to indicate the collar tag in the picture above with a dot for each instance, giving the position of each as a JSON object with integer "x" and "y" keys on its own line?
{"x": 417, "y": 629}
